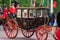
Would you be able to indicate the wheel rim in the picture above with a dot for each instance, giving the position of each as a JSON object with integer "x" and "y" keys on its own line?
{"x": 27, "y": 34}
{"x": 41, "y": 33}
{"x": 11, "y": 33}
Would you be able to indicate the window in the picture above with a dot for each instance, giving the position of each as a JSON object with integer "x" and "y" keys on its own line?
{"x": 38, "y": 13}
{"x": 31, "y": 14}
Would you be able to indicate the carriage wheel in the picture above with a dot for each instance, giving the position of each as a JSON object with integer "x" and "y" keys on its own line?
{"x": 12, "y": 29}
{"x": 41, "y": 33}
{"x": 27, "y": 33}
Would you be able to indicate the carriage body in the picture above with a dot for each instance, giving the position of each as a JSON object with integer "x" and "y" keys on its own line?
{"x": 29, "y": 18}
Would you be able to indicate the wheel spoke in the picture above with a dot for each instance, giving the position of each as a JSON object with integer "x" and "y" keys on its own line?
{"x": 13, "y": 34}
{"x": 26, "y": 33}
{"x": 9, "y": 33}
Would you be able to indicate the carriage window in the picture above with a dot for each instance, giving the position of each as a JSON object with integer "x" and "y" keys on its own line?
{"x": 19, "y": 13}
{"x": 25, "y": 13}
{"x": 31, "y": 13}
{"x": 45, "y": 12}
{"x": 38, "y": 13}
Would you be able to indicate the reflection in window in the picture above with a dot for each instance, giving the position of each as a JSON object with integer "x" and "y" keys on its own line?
{"x": 25, "y": 13}
{"x": 38, "y": 13}
{"x": 31, "y": 13}
{"x": 45, "y": 12}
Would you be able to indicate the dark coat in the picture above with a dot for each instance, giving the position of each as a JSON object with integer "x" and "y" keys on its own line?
{"x": 58, "y": 19}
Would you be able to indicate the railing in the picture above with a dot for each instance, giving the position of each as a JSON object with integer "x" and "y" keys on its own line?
{"x": 33, "y": 8}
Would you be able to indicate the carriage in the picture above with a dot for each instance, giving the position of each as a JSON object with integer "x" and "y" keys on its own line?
{"x": 30, "y": 20}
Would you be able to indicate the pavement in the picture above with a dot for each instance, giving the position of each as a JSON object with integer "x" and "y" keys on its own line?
{"x": 20, "y": 36}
